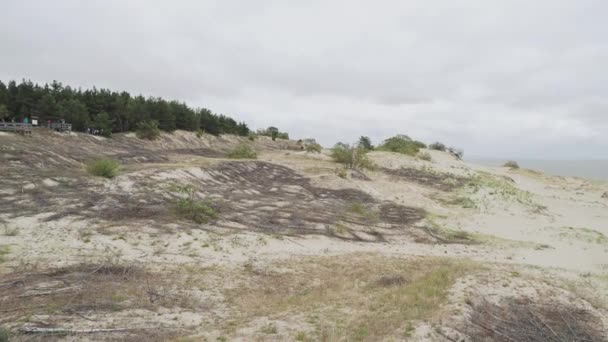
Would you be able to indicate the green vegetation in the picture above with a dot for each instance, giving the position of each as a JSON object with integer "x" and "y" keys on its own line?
{"x": 190, "y": 208}
{"x": 366, "y": 143}
{"x": 464, "y": 202}
{"x": 4, "y": 334}
{"x": 584, "y": 234}
{"x": 148, "y": 130}
{"x": 109, "y": 111}
{"x": 437, "y": 146}
{"x": 104, "y": 167}
{"x": 242, "y": 151}
{"x": 199, "y": 133}
{"x": 353, "y": 284}
{"x": 511, "y": 164}
{"x": 4, "y": 250}
{"x": 269, "y": 329}
{"x": 4, "y": 114}
{"x": 362, "y": 210}
{"x": 352, "y": 157}
{"x": 401, "y": 144}
{"x": 273, "y": 133}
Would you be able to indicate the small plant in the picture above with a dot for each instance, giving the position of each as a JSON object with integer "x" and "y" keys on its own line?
{"x": 242, "y": 152}
{"x": 301, "y": 336}
{"x": 252, "y": 136}
{"x": 4, "y": 250}
{"x": 352, "y": 157}
{"x": 200, "y": 133}
{"x": 342, "y": 173}
{"x": 424, "y": 156}
{"x": 437, "y": 146}
{"x": 511, "y": 164}
{"x": 191, "y": 208}
{"x": 104, "y": 167}
{"x": 148, "y": 130}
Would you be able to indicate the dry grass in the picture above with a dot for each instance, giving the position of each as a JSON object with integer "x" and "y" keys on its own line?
{"x": 350, "y": 297}
{"x": 84, "y": 293}
{"x": 522, "y": 320}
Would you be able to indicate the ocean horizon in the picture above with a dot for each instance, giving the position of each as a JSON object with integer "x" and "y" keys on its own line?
{"x": 591, "y": 168}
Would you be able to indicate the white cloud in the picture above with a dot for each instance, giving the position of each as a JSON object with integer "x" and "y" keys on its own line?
{"x": 514, "y": 78}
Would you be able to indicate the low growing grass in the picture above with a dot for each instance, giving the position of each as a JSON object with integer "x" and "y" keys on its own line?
{"x": 4, "y": 251}
{"x": 104, "y": 167}
{"x": 242, "y": 151}
{"x": 584, "y": 234}
{"x": 354, "y": 285}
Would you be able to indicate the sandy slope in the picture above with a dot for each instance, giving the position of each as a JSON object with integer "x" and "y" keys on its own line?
{"x": 289, "y": 206}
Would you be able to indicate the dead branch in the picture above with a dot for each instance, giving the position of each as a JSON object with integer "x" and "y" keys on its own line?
{"x": 37, "y": 330}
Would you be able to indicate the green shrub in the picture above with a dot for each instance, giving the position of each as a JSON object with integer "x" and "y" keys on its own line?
{"x": 148, "y": 130}
{"x": 200, "y": 133}
{"x": 352, "y": 157}
{"x": 242, "y": 152}
{"x": 190, "y": 208}
{"x": 314, "y": 147}
{"x": 4, "y": 334}
{"x": 511, "y": 164}
{"x": 420, "y": 144}
{"x": 103, "y": 167}
{"x": 424, "y": 156}
{"x": 400, "y": 144}
{"x": 437, "y": 146}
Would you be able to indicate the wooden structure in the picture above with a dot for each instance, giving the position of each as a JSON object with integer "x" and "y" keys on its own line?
{"x": 60, "y": 127}
{"x": 19, "y": 127}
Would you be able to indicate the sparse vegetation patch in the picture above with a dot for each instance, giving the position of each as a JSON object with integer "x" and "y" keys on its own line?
{"x": 381, "y": 295}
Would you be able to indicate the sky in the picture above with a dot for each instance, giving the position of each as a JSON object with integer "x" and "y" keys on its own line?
{"x": 507, "y": 78}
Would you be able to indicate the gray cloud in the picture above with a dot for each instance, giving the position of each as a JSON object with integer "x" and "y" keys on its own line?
{"x": 513, "y": 78}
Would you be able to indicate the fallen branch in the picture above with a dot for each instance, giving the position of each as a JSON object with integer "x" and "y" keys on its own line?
{"x": 65, "y": 289}
{"x": 37, "y": 330}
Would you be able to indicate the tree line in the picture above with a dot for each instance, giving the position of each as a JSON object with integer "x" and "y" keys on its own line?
{"x": 107, "y": 110}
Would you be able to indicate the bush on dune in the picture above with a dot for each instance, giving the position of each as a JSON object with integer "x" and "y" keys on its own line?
{"x": 104, "y": 167}
{"x": 511, "y": 164}
{"x": 437, "y": 146}
{"x": 401, "y": 144}
{"x": 353, "y": 157}
{"x": 148, "y": 130}
{"x": 242, "y": 152}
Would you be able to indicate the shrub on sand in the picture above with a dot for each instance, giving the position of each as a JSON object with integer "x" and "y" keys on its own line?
{"x": 511, "y": 164}
{"x": 242, "y": 152}
{"x": 148, "y": 130}
{"x": 104, "y": 167}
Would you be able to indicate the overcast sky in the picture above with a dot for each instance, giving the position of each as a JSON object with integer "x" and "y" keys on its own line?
{"x": 509, "y": 78}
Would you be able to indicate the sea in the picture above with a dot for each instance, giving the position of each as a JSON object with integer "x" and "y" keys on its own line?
{"x": 590, "y": 169}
